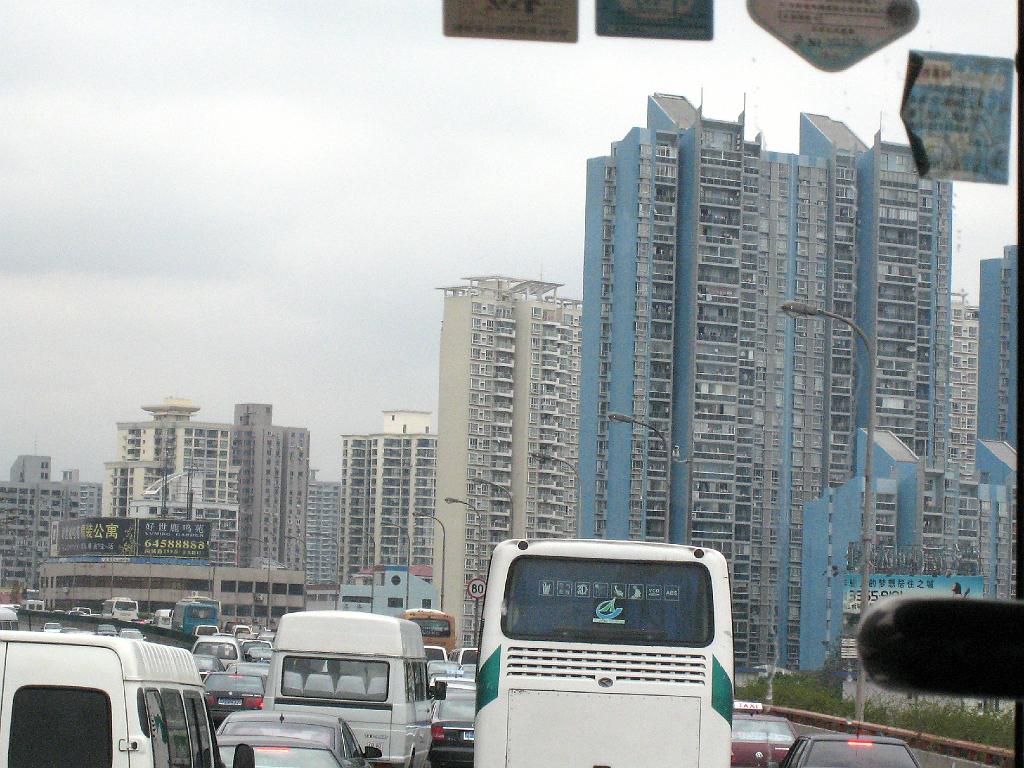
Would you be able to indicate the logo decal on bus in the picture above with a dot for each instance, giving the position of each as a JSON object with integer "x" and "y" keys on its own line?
{"x": 607, "y": 613}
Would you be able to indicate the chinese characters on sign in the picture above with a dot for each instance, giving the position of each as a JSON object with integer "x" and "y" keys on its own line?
{"x": 956, "y": 110}
{"x": 880, "y": 586}
{"x": 122, "y": 537}
{"x": 548, "y": 21}
{"x": 835, "y": 34}
{"x": 666, "y": 19}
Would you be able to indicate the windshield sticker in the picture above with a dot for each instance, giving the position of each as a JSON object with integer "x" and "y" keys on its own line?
{"x": 835, "y": 34}
{"x": 619, "y": 591}
{"x": 582, "y": 589}
{"x": 565, "y": 589}
{"x": 662, "y": 19}
{"x": 654, "y": 591}
{"x": 547, "y": 587}
{"x": 546, "y": 21}
{"x": 608, "y": 613}
{"x": 601, "y": 590}
{"x": 636, "y": 591}
{"x": 672, "y": 592}
{"x": 956, "y": 110}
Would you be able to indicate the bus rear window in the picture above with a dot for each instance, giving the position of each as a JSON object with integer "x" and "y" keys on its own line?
{"x": 608, "y": 601}
{"x": 434, "y": 627}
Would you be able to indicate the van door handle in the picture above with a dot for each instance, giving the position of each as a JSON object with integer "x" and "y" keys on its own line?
{"x": 124, "y": 745}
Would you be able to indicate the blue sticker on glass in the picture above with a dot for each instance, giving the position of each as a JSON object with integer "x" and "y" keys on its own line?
{"x": 662, "y": 19}
{"x": 956, "y": 110}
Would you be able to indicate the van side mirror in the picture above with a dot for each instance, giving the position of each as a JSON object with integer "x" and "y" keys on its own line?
{"x": 933, "y": 644}
{"x": 438, "y": 691}
{"x": 245, "y": 757}
{"x": 372, "y": 753}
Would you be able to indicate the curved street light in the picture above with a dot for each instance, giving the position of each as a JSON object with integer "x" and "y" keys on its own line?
{"x": 624, "y": 419}
{"x": 444, "y": 541}
{"x": 799, "y": 309}
{"x": 547, "y": 457}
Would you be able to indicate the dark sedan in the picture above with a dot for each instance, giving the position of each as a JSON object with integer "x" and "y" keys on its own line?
{"x": 451, "y": 730}
{"x": 227, "y": 693}
{"x": 333, "y": 732}
{"x": 841, "y": 750}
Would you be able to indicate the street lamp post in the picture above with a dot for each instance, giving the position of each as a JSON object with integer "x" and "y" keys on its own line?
{"x": 797, "y": 309}
{"x": 624, "y": 419}
{"x": 444, "y": 541}
{"x": 467, "y": 505}
{"x": 543, "y": 457}
{"x": 408, "y": 555}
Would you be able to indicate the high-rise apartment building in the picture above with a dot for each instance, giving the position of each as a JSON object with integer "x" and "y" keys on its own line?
{"x": 997, "y": 375}
{"x": 272, "y": 485}
{"x": 30, "y": 502}
{"x": 695, "y": 237}
{"x": 388, "y": 483}
{"x": 963, "y": 385}
{"x": 508, "y": 421}
{"x": 175, "y": 466}
{"x": 323, "y": 530}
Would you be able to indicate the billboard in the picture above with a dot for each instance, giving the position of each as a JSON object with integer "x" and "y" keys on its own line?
{"x": 887, "y": 585}
{"x": 131, "y": 537}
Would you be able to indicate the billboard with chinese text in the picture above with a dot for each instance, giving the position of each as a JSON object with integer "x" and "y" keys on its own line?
{"x": 886, "y": 585}
{"x": 131, "y": 537}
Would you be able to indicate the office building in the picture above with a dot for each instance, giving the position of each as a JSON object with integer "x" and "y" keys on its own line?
{"x": 175, "y": 466}
{"x": 695, "y": 237}
{"x": 387, "y": 494}
{"x": 323, "y": 530}
{"x": 272, "y": 483}
{"x": 997, "y": 331}
{"x": 508, "y": 421}
{"x": 963, "y": 385}
{"x": 30, "y": 503}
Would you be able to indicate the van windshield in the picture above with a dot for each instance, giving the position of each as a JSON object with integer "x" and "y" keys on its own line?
{"x": 351, "y": 679}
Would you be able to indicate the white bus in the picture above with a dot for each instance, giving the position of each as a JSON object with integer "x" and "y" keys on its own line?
{"x": 121, "y": 608}
{"x": 605, "y": 653}
{"x": 368, "y": 669}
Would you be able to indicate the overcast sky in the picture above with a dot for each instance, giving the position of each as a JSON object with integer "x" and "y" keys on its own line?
{"x": 255, "y": 201}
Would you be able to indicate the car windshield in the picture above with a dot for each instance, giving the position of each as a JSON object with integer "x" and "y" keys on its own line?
{"x": 752, "y": 729}
{"x": 457, "y": 708}
{"x": 222, "y": 681}
{"x": 285, "y": 757}
{"x": 220, "y": 650}
{"x": 857, "y": 754}
{"x": 207, "y": 662}
{"x": 318, "y": 733}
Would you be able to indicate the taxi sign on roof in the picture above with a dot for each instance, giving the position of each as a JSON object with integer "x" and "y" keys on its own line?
{"x": 747, "y": 706}
{"x": 835, "y": 34}
{"x": 666, "y": 19}
{"x": 956, "y": 110}
{"x": 549, "y": 21}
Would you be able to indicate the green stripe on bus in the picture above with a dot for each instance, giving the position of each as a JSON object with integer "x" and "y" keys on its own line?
{"x": 721, "y": 690}
{"x": 487, "y": 680}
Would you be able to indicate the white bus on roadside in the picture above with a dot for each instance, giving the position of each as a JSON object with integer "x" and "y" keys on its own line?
{"x": 368, "y": 669}
{"x": 605, "y": 653}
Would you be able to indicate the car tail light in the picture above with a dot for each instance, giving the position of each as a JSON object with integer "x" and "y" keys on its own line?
{"x": 211, "y": 699}
{"x": 437, "y": 732}
{"x": 252, "y": 702}
{"x": 856, "y": 743}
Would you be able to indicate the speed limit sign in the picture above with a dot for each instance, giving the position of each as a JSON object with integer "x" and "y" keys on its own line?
{"x": 475, "y": 588}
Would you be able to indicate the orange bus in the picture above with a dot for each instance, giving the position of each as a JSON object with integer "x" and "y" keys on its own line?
{"x": 438, "y": 627}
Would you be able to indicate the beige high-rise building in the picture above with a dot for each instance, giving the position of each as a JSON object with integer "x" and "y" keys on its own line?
{"x": 272, "y": 486}
{"x": 175, "y": 466}
{"x": 963, "y": 380}
{"x": 387, "y": 494}
{"x": 509, "y": 395}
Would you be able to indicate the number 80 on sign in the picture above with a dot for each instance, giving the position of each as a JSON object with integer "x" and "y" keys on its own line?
{"x": 475, "y": 588}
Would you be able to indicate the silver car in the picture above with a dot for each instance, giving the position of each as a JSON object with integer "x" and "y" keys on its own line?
{"x": 332, "y": 732}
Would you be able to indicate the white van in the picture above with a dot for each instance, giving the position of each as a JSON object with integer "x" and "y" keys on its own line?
{"x": 368, "y": 669}
{"x": 162, "y": 618}
{"x": 121, "y": 703}
{"x": 8, "y": 618}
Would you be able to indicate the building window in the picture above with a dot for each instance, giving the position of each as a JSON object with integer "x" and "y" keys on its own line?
{"x": 396, "y": 602}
